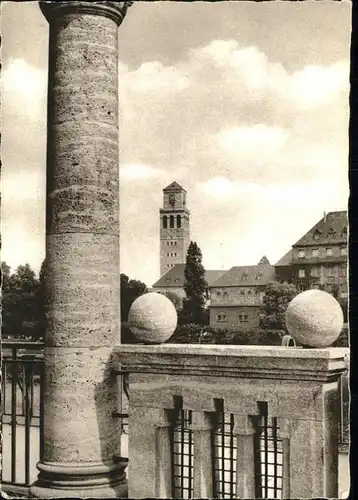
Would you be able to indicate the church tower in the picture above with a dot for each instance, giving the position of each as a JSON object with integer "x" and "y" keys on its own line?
{"x": 174, "y": 228}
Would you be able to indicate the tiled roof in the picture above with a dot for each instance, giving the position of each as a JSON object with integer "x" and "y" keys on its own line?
{"x": 246, "y": 276}
{"x": 330, "y": 229}
{"x": 175, "y": 277}
{"x": 174, "y": 186}
{"x": 285, "y": 260}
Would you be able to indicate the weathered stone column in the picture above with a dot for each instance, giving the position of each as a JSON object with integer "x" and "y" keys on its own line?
{"x": 82, "y": 439}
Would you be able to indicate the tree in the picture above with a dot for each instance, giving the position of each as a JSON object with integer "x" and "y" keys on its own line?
{"x": 130, "y": 290}
{"x": 195, "y": 286}
{"x": 20, "y": 312}
{"x": 175, "y": 299}
{"x": 264, "y": 261}
{"x": 275, "y": 302}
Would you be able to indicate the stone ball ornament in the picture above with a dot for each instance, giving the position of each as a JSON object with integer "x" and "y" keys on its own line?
{"x": 152, "y": 318}
{"x": 314, "y": 319}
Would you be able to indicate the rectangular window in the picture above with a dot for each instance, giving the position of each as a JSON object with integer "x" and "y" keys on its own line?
{"x": 225, "y": 457}
{"x": 343, "y": 271}
{"x": 343, "y": 250}
{"x": 301, "y": 273}
{"x": 315, "y": 252}
{"x": 301, "y": 254}
{"x": 329, "y": 252}
{"x": 182, "y": 456}
{"x": 315, "y": 272}
{"x": 330, "y": 271}
{"x": 221, "y": 317}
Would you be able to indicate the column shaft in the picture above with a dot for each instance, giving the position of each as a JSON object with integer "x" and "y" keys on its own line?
{"x": 82, "y": 440}
{"x": 245, "y": 472}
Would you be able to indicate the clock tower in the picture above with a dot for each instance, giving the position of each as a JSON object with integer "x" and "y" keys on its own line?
{"x": 174, "y": 228}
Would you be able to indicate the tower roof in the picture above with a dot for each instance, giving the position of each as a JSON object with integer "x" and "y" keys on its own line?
{"x": 174, "y": 186}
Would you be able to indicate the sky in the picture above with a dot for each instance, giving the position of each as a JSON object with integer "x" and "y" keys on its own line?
{"x": 245, "y": 104}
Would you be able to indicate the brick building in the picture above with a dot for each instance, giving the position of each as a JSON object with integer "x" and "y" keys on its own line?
{"x": 173, "y": 280}
{"x": 319, "y": 258}
{"x": 236, "y": 297}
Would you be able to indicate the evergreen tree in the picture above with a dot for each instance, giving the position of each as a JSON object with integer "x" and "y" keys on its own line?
{"x": 195, "y": 286}
{"x": 130, "y": 290}
{"x": 264, "y": 261}
{"x": 275, "y": 302}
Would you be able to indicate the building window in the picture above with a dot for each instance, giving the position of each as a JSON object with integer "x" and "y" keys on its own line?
{"x": 165, "y": 222}
{"x": 301, "y": 273}
{"x": 175, "y": 243}
{"x": 249, "y": 293}
{"x": 343, "y": 250}
{"x": 245, "y": 276}
{"x": 218, "y": 294}
{"x": 242, "y": 292}
{"x": 171, "y": 223}
{"x": 330, "y": 271}
{"x": 344, "y": 232}
{"x": 225, "y": 295}
{"x": 331, "y": 233}
{"x": 315, "y": 271}
{"x": 301, "y": 288}
{"x": 315, "y": 252}
{"x": 177, "y": 280}
{"x": 328, "y": 251}
{"x": 343, "y": 271}
{"x": 178, "y": 221}
{"x": 315, "y": 287}
{"x": 301, "y": 254}
{"x": 317, "y": 234}
{"x": 243, "y": 318}
{"x": 259, "y": 275}
{"x": 168, "y": 280}
{"x": 221, "y": 317}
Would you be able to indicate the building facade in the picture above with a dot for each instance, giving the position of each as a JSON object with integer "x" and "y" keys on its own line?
{"x": 237, "y": 297}
{"x": 174, "y": 228}
{"x": 173, "y": 280}
{"x": 319, "y": 258}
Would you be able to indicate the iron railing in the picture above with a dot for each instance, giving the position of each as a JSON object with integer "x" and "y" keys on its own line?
{"x": 224, "y": 456}
{"x": 182, "y": 455}
{"x": 22, "y": 385}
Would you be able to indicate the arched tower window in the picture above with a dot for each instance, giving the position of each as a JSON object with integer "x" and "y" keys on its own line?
{"x": 165, "y": 222}
{"x": 171, "y": 221}
{"x": 178, "y": 221}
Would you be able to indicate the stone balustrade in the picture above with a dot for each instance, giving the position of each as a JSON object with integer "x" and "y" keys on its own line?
{"x": 298, "y": 387}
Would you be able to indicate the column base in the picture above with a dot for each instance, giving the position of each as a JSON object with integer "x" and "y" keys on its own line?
{"x": 80, "y": 481}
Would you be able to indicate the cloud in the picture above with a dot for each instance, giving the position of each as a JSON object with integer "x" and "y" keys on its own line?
{"x": 134, "y": 172}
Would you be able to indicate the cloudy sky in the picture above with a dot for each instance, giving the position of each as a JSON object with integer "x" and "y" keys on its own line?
{"x": 243, "y": 103}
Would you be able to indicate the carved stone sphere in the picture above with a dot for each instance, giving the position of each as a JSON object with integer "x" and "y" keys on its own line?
{"x": 314, "y": 318}
{"x": 152, "y": 318}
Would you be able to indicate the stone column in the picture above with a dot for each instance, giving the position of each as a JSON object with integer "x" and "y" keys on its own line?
{"x": 245, "y": 461}
{"x": 82, "y": 439}
{"x": 202, "y": 427}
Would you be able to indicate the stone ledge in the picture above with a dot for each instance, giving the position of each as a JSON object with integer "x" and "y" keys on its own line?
{"x": 234, "y": 361}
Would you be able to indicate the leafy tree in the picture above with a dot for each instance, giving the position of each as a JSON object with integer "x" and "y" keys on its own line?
{"x": 130, "y": 290}
{"x": 264, "y": 261}
{"x": 175, "y": 299}
{"x": 275, "y": 302}
{"x": 20, "y": 311}
{"x": 195, "y": 286}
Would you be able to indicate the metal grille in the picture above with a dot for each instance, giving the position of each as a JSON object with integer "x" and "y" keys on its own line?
{"x": 268, "y": 457}
{"x": 225, "y": 456}
{"x": 182, "y": 455}
{"x": 22, "y": 387}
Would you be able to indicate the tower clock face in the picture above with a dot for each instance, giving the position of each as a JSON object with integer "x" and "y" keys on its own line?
{"x": 172, "y": 199}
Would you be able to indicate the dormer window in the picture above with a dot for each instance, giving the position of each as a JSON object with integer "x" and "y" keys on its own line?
{"x": 301, "y": 254}
{"x": 245, "y": 276}
{"x": 168, "y": 280}
{"x": 331, "y": 233}
{"x": 317, "y": 234}
{"x": 344, "y": 232}
{"x": 259, "y": 275}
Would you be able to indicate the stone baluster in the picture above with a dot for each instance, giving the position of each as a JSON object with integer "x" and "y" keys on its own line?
{"x": 283, "y": 425}
{"x": 202, "y": 427}
{"x": 245, "y": 461}
{"x": 149, "y": 453}
{"x": 81, "y": 438}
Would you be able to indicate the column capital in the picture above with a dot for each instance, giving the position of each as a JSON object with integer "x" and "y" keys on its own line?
{"x": 113, "y": 10}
